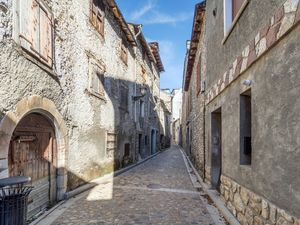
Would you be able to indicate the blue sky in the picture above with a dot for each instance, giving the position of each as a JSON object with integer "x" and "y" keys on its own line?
{"x": 168, "y": 22}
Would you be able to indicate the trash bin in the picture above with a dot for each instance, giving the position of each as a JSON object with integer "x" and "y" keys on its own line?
{"x": 13, "y": 200}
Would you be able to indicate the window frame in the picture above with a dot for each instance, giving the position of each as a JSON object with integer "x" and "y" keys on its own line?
{"x": 100, "y": 12}
{"x": 228, "y": 21}
{"x": 95, "y": 69}
{"x": 124, "y": 52}
{"x": 245, "y": 127}
{"x": 17, "y": 36}
{"x": 142, "y": 109}
{"x": 124, "y": 107}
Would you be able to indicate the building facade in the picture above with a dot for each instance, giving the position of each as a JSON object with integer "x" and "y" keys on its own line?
{"x": 193, "y": 93}
{"x": 251, "y": 110}
{"x": 165, "y": 118}
{"x": 70, "y": 84}
{"x": 176, "y": 116}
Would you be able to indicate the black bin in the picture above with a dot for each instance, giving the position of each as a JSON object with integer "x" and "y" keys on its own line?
{"x": 14, "y": 200}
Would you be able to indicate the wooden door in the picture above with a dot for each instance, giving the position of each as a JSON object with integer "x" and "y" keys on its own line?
{"x": 32, "y": 153}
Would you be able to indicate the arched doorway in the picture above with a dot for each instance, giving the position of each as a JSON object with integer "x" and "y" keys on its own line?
{"x": 32, "y": 152}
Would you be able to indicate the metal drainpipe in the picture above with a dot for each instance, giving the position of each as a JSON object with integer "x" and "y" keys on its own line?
{"x": 204, "y": 145}
{"x": 135, "y": 69}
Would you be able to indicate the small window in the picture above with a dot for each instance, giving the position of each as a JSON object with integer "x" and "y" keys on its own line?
{"x": 97, "y": 15}
{"x": 96, "y": 80}
{"x": 245, "y": 129}
{"x": 144, "y": 73}
{"x": 36, "y": 29}
{"x": 127, "y": 150}
{"x": 142, "y": 108}
{"x": 190, "y": 101}
{"x": 124, "y": 52}
{"x": 199, "y": 76}
{"x": 124, "y": 98}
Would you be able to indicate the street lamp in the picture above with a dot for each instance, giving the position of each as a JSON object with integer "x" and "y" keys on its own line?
{"x": 143, "y": 91}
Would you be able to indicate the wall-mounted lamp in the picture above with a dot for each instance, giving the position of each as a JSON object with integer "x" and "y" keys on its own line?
{"x": 247, "y": 82}
{"x": 143, "y": 91}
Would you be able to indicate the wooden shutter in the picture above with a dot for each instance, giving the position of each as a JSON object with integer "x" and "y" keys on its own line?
{"x": 236, "y": 5}
{"x": 46, "y": 36}
{"x": 36, "y": 30}
{"x": 93, "y": 10}
{"x": 25, "y": 20}
{"x": 94, "y": 81}
{"x": 35, "y": 27}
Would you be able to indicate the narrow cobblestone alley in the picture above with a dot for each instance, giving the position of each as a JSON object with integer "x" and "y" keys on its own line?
{"x": 157, "y": 192}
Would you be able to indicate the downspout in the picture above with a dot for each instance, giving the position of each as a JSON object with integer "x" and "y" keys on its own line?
{"x": 135, "y": 70}
{"x": 204, "y": 143}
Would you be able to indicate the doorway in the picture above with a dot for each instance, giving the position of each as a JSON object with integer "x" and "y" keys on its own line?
{"x": 153, "y": 142}
{"x": 32, "y": 153}
{"x": 216, "y": 148}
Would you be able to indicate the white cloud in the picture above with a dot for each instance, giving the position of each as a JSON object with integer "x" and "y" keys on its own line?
{"x": 161, "y": 18}
{"x": 149, "y": 14}
{"x": 138, "y": 14}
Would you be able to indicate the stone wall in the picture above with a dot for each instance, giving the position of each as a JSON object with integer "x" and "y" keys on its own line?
{"x": 88, "y": 119}
{"x": 250, "y": 208}
{"x": 274, "y": 94}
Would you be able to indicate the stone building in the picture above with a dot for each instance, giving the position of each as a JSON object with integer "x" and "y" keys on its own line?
{"x": 165, "y": 116}
{"x": 193, "y": 92}
{"x": 70, "y": 92}
{"x": 251, "y": 111}
{"x": 176, "y": 115}
{"x": 148, "y": 67}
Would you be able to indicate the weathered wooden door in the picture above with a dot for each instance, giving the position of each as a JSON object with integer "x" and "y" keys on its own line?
{"x": 32, "y": 153}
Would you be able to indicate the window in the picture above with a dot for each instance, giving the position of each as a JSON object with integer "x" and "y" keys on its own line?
{"x": 190, "y": 103}
{"x": 144, "y": 74}
{"x": 199, "y": 76}
{"x": 127, "y": 150}
{"x": 124, "y": 53}
{"x": 124, "y": 98}
{"x": 142, "y": 108}
{"x": 96, "y": 79}
{"x": 36, "y": 29}
{"x": 232, "y": 9}
{"x": 97, "y": 15}
{"x": 245, "y": 129}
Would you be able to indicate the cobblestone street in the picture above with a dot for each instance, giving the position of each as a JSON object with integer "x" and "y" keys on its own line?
{"x": 157, "y": 192}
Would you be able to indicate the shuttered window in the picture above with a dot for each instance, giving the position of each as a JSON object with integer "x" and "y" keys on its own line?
{"x": 124, "y": 52}
{"x": 97, "y": 15}
{"x": 124, "y": 97}
{"x": 36, "y": 30}
{"x": 96, "y": 77}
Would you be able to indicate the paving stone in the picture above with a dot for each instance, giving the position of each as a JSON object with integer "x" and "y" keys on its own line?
{"x": 156, "y": 192}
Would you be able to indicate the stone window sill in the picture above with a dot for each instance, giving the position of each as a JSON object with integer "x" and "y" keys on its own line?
{"x": 246, "y": 167}
{"x": 35, "y": 60}
{"x": 95, "y": 94}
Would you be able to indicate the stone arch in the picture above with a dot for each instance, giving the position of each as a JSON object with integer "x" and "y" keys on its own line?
{"x": 47, "y": 108}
